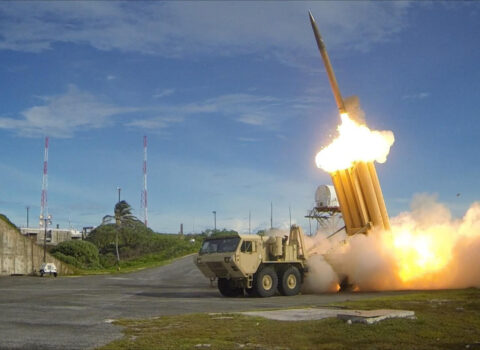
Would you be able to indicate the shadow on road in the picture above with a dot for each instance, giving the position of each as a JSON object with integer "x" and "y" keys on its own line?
{"x": 179, "y": 294}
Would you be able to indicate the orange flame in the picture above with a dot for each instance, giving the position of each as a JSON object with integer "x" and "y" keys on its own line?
{"x": 355, "y": 142}
{"x": 419, "y": 254}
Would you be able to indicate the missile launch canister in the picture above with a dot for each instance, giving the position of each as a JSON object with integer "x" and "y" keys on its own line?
{"x": 358, "y": 189}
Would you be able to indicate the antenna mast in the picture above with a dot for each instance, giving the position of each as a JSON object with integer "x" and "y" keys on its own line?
{"x": 271, "y": 215}
{"x": 144, "y": 191}
{"x": 44, "y": 202}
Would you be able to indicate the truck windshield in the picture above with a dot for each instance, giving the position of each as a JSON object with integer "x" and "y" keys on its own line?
{"x": 220, "y": 245}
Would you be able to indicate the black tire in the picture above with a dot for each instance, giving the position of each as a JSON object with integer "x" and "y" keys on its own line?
{"x": 345, "y": 285}
{"x": 41, "y": 273}
{"x": 54, "y": 274}
{"x": 265, "y": 282}
{"x": 227, "y": 289}
{"x": 290, "y": 281}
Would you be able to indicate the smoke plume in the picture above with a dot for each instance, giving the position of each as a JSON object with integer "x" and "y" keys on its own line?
{"x": 426, "y": 249}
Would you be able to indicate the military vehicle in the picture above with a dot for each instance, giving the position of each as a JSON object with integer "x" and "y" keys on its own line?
{"x": 255, "y": 265}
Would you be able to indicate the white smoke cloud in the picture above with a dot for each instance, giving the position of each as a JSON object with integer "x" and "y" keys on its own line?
{"x": 426, "y": 249}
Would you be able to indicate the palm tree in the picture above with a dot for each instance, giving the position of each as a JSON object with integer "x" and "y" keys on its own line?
{"x": 122, "y": 217}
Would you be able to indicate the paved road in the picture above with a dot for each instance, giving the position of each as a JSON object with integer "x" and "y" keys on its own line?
{"x": 75, "y": 312}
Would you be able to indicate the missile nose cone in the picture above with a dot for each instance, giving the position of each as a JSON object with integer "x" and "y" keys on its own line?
{"x": 311, "y": 16}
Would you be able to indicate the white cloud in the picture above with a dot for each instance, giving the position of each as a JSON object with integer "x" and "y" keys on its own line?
{"x": 260, "y": 111}
{"x": 155, "y": 123}
{"x": 417, "y": 96}
{"x": 61, "y": 115}
{"x": 247, "y": 139}
{"x": 75, "y": 110}
{"x": 190, "y": 28}
{"x": 111, "y": 77}
{"x": 253, "y": 119}
{"x": 164, "y": 93}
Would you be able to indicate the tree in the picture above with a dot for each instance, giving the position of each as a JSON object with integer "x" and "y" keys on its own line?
{"x": 224, "y": 232}
{"x": 122, "y": 218}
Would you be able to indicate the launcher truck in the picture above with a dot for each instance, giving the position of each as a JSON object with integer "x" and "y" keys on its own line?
{"x": 255, "y": 265}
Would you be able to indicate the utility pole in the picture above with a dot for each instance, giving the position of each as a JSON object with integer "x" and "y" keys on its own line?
{"x": 290, "y": 213}
{"x": 119, "y": 191}
{"x": 249, "y": 222}
{"x": 144, "y": 191}
{"x": 214, "y": 221}
{"x": 45, "y": 221}
{"x": 28, "y": 209}
{"x": 271, "y": 215}
{"x": 45, "y": 218}
{"x": 44, "y": 201}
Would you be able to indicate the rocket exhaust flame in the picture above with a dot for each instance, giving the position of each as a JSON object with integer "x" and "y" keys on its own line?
{"x": 425, "y": 249}
{"x": 355, "y": 143}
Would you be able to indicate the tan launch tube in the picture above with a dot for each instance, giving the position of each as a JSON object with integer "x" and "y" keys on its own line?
{"x": 369, "y": 194}
{"x": 351, "y": 200}
{"x": 342, "y": 201}
{"x": 379, "y": 195}
{"x": 359, "y": 197}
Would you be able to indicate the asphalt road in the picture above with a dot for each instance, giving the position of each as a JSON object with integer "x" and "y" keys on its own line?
{"x": 76, "y": 312}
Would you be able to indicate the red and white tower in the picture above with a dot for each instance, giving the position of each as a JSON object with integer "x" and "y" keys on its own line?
{"x": 44, "y": 202}
{"x": 144, "y": 191}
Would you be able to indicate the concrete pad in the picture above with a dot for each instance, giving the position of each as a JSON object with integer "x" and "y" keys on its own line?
{"x": 374, "y": 316}
{"x": 361, "y": 316}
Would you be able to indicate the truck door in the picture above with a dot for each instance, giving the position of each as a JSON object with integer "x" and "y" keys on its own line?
{"x": 248, "y": 256}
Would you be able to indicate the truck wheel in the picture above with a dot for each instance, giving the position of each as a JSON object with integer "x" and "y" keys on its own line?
{"x": 290, "y": 281}
{"x": 226, "y": 288}
{"x": 265, "y": 282}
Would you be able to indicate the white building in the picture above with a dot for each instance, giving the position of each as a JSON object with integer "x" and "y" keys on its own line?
{"x": 54, "y": 235}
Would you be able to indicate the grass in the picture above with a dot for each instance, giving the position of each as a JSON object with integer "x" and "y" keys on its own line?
{"x": 445, "y": 319}
{"x": 140, "y": 263}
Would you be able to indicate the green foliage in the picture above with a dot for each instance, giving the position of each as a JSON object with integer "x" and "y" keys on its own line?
{"x": 261, "y": 232}
{"x": 122, "y": 215}
{"x": 132, "y": 240}
{"x": 123, "y": 219}
{"x": 108, "y": 260}
{"x": 8, "y": 222}
{"x": 81, "y": 254}
{"x": 224, "y": 232}
{"x": 123, "y": 235}
{"x": 139, "y": 245}
{"x": 103, "y": 237}
{"x": 66, "y": 259}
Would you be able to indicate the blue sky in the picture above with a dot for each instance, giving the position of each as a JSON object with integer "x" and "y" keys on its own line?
{"x": 235, "y": 103}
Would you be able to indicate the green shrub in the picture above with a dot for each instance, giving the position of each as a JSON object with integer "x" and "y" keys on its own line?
{"x": 85, "y": 254}
{"x": 108, "y": 260}
{"x": 8, "y": 222}
{"x": 66, "y": 259}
